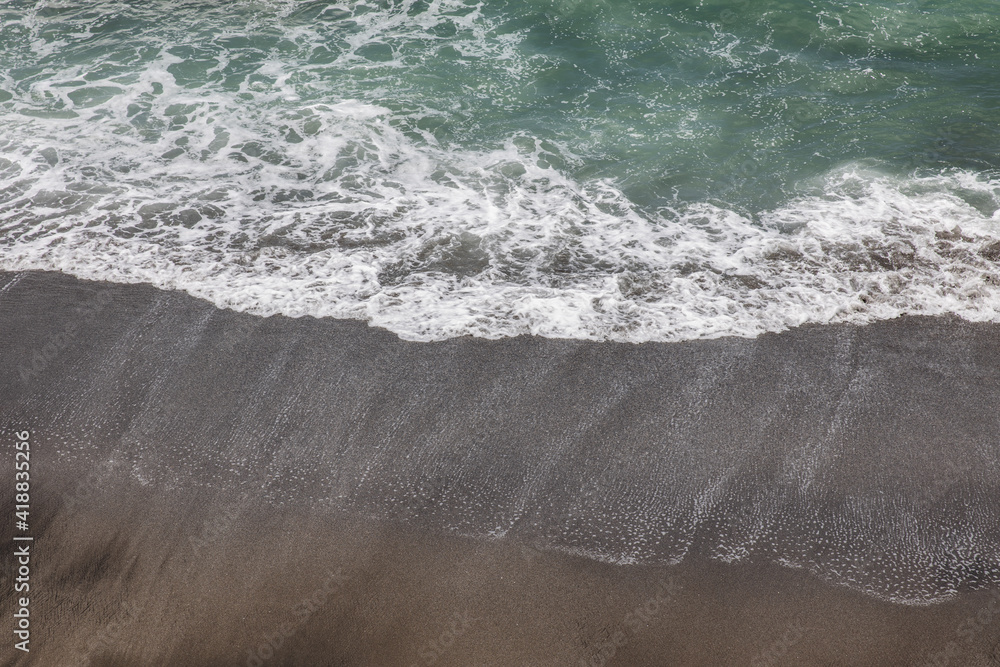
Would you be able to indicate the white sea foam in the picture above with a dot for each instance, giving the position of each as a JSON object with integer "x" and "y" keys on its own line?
{"x": 279, "y": 194}
{"x": 432, "y": 246}
{"x": 361, "y": 221}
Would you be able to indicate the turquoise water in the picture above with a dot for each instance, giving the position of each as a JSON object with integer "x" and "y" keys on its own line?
{"x": 625, "y": 170}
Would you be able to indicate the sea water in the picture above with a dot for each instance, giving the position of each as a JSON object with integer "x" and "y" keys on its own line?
{"x": 629, "y": 170}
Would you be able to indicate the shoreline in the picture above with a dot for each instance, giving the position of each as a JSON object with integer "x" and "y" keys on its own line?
{"x": 865, "y": 455}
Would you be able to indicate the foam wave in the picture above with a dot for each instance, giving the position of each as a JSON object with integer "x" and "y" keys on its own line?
{"x": 253, "y": 168}
{"x": 493, "y": 245}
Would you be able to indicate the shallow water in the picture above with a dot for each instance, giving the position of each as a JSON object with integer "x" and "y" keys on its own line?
{"x": 866, "y": 456}
{"x": 627, "y": 171}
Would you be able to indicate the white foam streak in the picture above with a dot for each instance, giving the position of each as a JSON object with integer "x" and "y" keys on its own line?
{"x": 546, "y": 257}
{"x": 267, "y": 198}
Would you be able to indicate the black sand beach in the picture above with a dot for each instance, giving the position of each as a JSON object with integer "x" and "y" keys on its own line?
{"x": 213, "y": 488}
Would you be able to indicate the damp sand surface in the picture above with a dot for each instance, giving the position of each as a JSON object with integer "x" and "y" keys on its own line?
{"x": 214, "y": 488}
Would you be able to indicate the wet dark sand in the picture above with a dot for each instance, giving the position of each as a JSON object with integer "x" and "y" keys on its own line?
{"x": 204, "y": 482}
{"x": 383, "y": 593}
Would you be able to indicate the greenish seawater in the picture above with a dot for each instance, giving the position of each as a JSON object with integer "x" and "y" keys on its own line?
{"x": 632, "y": 170}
